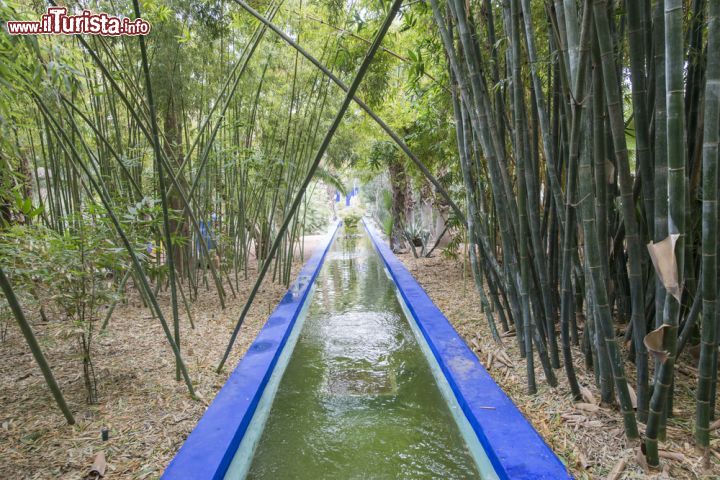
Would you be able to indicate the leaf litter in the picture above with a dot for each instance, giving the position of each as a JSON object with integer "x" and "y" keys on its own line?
{"x": 147, "y": 413}
{"x": 588, "y": 438}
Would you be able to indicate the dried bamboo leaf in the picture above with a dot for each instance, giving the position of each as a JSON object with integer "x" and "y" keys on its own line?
{"x": 641, "y": 460}
{"x": 588, "y": 407}
{"x": 99, "y": 466}
{"x": 503, "y": 357}
{"x": 610, "y": 170}
{"x": 587, "y": 395}
{"x": 672, "y": 455}
{"x": 574, "y": 417}
{"x": 654, "y": 341}
{"x": 663, "y": 257}
{"x": 582, "y": 460}
{"x": 633, "y": 396}
{"x": 617, "y": 470}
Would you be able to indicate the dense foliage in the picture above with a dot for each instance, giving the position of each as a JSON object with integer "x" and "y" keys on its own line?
{"x": 570, "y": 145}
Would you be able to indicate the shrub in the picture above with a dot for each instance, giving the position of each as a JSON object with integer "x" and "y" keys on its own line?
{"x": 70, "y": 276}
{"x": 351, "y": 218}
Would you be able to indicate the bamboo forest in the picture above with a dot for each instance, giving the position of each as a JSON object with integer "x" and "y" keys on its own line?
{"x": 359, "y": 239}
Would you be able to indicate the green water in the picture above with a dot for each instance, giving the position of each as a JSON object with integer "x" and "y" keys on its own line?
{"x": 358, "y": 399}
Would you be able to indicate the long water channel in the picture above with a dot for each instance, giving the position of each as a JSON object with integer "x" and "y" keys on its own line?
{"x": 359, "y": 397}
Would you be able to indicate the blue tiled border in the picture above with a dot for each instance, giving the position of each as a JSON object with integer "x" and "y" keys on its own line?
{"x": 514, "y": 447}
{"x": 210, "y": 447}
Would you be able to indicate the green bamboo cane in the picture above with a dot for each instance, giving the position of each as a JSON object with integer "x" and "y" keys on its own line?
{"x": 567, "y": 310}
{"x": 522, "y": 234}
{"x": 603, "y": 369}
{"x": 400, "y": 143}
{"x": 141, "y": 124}
{"x": 709, "y": 228}
{"x": 234, "y": 73}
{"x": 76, "y": 129}
{"x": 497, "y": 280}
{"x": 676, "y": 153}
{"x": 552, "y": 173}
{"x": 638, "y": 74}
{"x": 107, "y": 203}
{"x": 471, "y": 202}
{"x": 316, "y": 162}
{"x": 660, "y": 152}
{"x": 522, "y": 156}
{"x": 593, "y": 258}
{"x": 638, "y": 58}
{"x": 543, "y": 293}
{"x": 694, "y": 77}
{"x": 574, "y": 37}
{"x": 255, "y": 42}
{"x": 474, "y": 93}
{"x": 169, "y": 246}
{"x": 103, "y": 138}
{"x": 34, "y": 347}
{"x": 502, "y": 195}
{"x": 635, "y": 251}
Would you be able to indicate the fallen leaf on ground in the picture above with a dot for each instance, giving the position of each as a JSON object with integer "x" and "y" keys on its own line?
{"x": 97, "y": 470}
{"x": 587, "y": 395}
{"x": 617, "y": 470}
{"x": 672, "y": 455}
{"x": 641, "y": 460}
{"x": 588, "y": 407}
{"x": 582, "y": 460}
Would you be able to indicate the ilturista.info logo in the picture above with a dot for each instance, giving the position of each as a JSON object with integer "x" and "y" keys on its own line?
{"x": 57, "y": 22}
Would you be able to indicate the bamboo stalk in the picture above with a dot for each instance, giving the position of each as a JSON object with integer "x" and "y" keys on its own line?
{"x": 709, "y": 230}
{"x": 635, "y": 252}
{"x": 34, "y": 347}
{"x": 676, "y": 216}
{"x": 316, "y": 162}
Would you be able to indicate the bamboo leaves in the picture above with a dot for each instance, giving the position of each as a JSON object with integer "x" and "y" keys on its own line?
{"x": 313, "y": 168}
{"x": 607, "y": 264}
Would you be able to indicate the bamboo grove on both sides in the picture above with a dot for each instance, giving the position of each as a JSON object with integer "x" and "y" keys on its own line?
{"x": 585, "y": 145}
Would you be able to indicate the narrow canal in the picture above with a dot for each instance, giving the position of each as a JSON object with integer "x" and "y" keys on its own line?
{"x": 358, "y": 399}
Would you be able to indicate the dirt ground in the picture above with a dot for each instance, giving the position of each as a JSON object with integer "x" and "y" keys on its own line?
{"x": 588, "y": 437}
{"x": 149, "y": 414}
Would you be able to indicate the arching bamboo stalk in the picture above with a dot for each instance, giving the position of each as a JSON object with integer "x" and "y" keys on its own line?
{"x": 107, "y": 204}
{"x": 316, "y": 162}
{"x": 400, "y": 143}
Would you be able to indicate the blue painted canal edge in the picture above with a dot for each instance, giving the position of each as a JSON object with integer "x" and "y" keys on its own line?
{"x": 210, "y": 447}
{"x": 515, "y": 449}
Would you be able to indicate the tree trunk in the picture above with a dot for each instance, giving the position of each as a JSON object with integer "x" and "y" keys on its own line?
{"x": 172, "y": 146}
{"x": 398, "y": 186}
